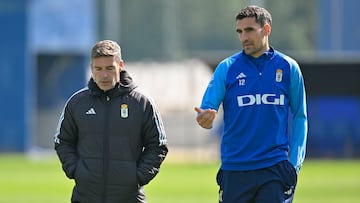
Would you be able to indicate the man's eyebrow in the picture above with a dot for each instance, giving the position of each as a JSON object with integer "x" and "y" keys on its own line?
{"x": 245, "y": 29}
{"x": 111, "y": 66}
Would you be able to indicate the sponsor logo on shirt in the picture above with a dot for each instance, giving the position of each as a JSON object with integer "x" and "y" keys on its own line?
{"x": 258, "y": 99}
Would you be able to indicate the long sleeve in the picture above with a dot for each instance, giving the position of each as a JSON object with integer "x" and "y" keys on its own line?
{"x": 154, "y": 145}
{"x": 215, "y": 91}
{"x": 65, "y": 143}
{"x": 299, "y": 126}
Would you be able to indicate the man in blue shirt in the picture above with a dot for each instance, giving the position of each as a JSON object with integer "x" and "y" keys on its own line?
{"x": 265, "y": 120}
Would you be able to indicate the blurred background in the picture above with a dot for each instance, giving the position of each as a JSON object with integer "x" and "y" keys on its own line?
{"x": 171, "y": 48}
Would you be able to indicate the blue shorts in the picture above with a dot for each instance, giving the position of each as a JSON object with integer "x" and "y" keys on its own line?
{"x": 275, "y": 184}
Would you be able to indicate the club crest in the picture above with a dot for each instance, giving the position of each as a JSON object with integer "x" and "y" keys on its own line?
{"x": 279, "y": 74}
{"x": 124, "y": 111}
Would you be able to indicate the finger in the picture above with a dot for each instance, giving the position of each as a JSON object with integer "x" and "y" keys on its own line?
{"x": 199, "y": 110}
{"x": 210, "y": 114}
{"x": 206, "y": 118}
{"x": 207, "y": 124}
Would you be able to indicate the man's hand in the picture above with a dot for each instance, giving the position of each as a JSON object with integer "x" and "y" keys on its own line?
{"x": 205, "y": 118}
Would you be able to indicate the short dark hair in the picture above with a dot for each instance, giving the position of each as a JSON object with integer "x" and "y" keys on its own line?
{"x": 106, "y": 48}
{"x": 262, "y": 16}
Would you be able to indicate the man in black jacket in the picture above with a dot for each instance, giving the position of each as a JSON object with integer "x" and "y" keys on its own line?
{"x": 110, "y": 137}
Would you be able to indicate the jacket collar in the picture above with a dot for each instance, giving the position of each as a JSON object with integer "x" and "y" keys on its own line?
{"x": 125, "y": 86}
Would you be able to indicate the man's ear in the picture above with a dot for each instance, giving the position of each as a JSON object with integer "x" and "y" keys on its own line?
{"x": 90, "y": 73}
{"x": 121, "y": 65}
{"x": 267, "y": 29}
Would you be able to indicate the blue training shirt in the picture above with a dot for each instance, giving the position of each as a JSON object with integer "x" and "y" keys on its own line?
{"x": 258, "y": 95}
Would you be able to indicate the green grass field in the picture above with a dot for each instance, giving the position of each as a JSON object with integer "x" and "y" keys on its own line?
{"x": 24, "y": 180}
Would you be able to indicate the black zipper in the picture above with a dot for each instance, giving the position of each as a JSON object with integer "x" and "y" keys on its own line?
{"x": 106, "y": 148}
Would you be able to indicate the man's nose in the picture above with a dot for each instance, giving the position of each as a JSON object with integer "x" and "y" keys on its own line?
{"x": 243, "y": 37}
{"x": 104, "y": 74}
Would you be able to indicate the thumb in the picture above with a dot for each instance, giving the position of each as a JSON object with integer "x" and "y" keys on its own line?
{"x": 199, "y": 110}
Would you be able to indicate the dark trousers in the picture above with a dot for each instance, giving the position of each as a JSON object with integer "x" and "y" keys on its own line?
{"x": 274, "y": 184}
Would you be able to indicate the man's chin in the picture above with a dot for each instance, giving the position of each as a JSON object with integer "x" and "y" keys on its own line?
{"x": 105, "y": 87}
{"x": 248, "y": 51}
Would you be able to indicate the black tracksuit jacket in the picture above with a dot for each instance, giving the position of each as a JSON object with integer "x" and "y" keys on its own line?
{"x": 112, "y": 143}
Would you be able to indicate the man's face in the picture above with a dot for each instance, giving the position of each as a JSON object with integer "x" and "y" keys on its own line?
{"x": 253, "y": 37}
{"x": 106, "y": 72}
